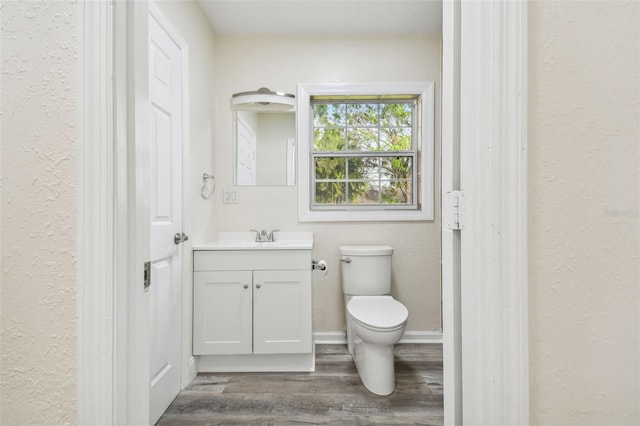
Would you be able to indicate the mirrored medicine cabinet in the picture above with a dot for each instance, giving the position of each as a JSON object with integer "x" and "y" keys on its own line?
{"x": 264, "y": 138}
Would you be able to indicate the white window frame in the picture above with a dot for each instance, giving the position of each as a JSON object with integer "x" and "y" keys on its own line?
{"x": 425, "y": 175}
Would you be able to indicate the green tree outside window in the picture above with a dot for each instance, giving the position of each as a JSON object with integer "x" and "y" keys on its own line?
{"x": 363, "y": 152}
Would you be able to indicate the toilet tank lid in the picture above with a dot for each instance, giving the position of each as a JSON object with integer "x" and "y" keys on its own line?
{"x": 366, "y": 250}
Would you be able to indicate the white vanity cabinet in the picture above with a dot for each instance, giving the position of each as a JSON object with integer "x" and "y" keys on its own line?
{"x": 252, "y": 310}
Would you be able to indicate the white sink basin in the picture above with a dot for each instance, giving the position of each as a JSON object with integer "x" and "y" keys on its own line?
{"x": 246, "y": 241}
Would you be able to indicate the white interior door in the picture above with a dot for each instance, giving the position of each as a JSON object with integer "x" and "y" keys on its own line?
{"x": 165, "y": 206}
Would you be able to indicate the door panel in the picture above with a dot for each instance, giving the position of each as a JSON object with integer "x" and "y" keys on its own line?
{"x": 163, "y": 293}
{"x": 161, "y": 209}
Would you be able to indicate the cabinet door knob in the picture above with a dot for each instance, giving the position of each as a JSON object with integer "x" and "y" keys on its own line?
{"x": 245, "y": 286}
{"x": 258, "y": 285}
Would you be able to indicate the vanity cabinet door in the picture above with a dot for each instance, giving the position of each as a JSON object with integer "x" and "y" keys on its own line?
{"x": 282, "y": 312}
{"x": 222, "y": 312}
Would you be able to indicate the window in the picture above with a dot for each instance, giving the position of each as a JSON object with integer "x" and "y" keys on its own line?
{"x": 366, "y": 152}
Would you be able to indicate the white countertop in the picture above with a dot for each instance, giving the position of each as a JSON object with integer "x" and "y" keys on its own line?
{"x": 247, "y": 241}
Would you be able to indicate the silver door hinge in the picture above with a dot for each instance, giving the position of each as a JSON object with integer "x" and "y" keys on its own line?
{"x": 454, "y": 210}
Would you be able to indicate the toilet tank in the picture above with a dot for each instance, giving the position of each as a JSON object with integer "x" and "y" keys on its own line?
{"x": 366, "y": 270}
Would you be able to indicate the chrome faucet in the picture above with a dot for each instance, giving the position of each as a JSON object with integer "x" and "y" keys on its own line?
{"x": 264, "y": 236}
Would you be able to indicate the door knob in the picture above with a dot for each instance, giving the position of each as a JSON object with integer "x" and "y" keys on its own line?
{"x": 180, "y": 238}
{"x": 258, "y": 286}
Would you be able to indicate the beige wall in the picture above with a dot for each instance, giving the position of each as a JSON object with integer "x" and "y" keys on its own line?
{"x": 584, "y": 115}
{"x": 278, "y": 62}
{"x": 38, "y": 148}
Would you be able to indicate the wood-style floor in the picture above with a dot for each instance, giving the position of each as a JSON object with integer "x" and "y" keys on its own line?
{"x": 332, "y": 395}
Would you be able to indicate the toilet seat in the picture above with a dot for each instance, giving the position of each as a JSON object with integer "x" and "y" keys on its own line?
{"x": 379, "y": 312}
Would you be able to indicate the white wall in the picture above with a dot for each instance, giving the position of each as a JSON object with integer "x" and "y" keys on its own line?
{"x": 279, "y": 63}
{"x": 38, "y": 218}
{"x": 584, "y": 228}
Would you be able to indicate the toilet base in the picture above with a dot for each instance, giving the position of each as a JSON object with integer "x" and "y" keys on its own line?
{"x": 375, "y": 365}
{"x": 373, "y": 353}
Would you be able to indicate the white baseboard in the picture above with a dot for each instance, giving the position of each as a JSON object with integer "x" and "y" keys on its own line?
{"x": 422, "y": 337}
{"x": 340, "y": 337}
{"x": 193, "y": 369}
{"x": 330, "y": 337}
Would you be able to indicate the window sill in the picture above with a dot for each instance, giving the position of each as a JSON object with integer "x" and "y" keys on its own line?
{"x": 306, "y": 215}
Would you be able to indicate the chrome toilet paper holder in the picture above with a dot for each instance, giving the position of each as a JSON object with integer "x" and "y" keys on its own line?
{"x": 318, "y": 265}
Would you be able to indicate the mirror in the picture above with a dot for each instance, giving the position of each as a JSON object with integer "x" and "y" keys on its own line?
{"x": 264, "y": 148}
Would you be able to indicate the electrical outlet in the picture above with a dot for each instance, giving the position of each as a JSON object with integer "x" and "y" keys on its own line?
{"x": 230, "y": 196}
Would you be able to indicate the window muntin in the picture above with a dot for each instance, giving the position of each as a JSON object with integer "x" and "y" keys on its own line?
{"x": 364, "y": 153}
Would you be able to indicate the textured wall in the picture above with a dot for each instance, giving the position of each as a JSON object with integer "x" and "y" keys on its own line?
{"x": 241, "y": 65}
{"x": 39, "y": 98}
{"x": 584, "y": 115}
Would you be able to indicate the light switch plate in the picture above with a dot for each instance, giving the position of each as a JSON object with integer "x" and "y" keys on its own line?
{"x": 230, "y": 196}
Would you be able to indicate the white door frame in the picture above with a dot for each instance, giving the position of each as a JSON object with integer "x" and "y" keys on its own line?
{"x": 493, "y": 176}
{"x": 95, "y": 292}
{"x": 484, "y": 265}
{"x": 112, "y": 169}
{"x": 450, "y": 181}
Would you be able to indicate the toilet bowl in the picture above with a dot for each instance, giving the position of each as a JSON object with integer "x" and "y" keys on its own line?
{"x": 375, "y": 320}
{"x": 376, "y": 323}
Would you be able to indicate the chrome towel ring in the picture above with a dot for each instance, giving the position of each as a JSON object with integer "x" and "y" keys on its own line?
{"x": 208, "y": 186}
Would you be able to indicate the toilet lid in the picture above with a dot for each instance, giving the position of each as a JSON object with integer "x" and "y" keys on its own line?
{"x": 377, "y": 311}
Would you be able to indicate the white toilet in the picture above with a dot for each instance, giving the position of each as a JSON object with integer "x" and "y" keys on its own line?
{"x": 375, "y": 320}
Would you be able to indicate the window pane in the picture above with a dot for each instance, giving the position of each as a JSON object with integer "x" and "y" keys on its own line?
{"x": 395, "y": 115}
{"x": 362, "y": 115}
{"x": 330, "y": 193}
{"x": 362, "y": 139}
{"x": 353, "y": 139}
{"x": 328, "y": 139}
{"x": 363, "y": 168}
{"x": 330, "y": 168}
{"x": 364, "y": 192}
{"x": 329, "y": 115}
{"x": 396, "y": 168}
{"x": 395, "y": 138}
{"x": 396, "y": 192}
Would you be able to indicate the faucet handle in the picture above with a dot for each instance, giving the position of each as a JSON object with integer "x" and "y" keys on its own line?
{"x": 271, "y": 234}
{"x": 257, "y": 234}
